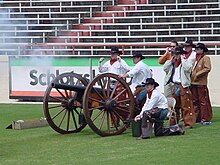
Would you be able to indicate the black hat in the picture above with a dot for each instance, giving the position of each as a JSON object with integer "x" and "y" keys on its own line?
{"x": 202, "y": 46}
{"x": 151, "y": 81}
{"x": 137, "y": 54}
{"x": 189, "y": 42}
{"x": 179, "y": 50}
{"x": 115, "y": 49}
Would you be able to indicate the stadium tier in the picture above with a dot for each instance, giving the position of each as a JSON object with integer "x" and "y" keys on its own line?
{"x": 84, "y": 27}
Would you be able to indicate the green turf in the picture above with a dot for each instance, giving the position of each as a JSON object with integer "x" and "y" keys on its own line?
{"x": 43, "y": 146}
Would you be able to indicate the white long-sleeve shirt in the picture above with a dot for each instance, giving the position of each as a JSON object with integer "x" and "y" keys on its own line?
{"x": 157, "y": 100}
{"x": 140, "y": 73}
{"x": 119, "y": 68}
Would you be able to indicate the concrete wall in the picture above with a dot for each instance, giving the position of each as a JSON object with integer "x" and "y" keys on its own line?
{"x": 4, "y": 80}
{"x": 214, "y": 79}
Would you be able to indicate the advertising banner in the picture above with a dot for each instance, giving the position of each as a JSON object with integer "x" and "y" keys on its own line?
{"x": 30, "y": 76}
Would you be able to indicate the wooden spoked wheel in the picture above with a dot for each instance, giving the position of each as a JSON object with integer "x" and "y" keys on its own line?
{"x": 63, "y": 107}
{"x": 108, "y": 104}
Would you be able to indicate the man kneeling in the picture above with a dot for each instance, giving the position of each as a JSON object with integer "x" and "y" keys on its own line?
{"x": 155, "y": 111}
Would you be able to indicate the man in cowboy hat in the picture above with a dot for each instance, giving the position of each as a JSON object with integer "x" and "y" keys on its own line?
{"x": 199, "y": 76}
{"x": 155, "y": 111}
{"x": 188, "y": 46}
{"x": 178, "y": 71}
{"x": 139, "y": 72}
{"x": 115, "y": 65}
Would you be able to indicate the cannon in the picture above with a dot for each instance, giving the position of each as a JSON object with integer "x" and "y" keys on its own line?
{"x": 106, "y": 104}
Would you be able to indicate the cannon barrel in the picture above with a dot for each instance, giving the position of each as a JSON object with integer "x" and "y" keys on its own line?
{"x": 75, "y": 88}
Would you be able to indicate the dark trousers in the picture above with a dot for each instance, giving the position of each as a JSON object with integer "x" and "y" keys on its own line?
{"x": 158, "y": 119}
{"x": 184, "y": 103}
{"x": 201, "y": 103}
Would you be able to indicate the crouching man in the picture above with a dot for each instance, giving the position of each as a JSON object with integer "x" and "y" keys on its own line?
{"x": 155, "y": 111}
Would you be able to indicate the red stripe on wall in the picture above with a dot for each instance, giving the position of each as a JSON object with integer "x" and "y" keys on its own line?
{"x": 32, "y": 93}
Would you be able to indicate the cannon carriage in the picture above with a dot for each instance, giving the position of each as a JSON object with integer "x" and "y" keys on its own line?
{"x": 106, "y": 104}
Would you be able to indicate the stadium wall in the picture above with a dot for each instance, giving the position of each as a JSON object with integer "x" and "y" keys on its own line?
{"x": 214, "y": 79}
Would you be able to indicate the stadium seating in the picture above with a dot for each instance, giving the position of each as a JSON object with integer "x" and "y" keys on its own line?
{"x": 81, "y": 27}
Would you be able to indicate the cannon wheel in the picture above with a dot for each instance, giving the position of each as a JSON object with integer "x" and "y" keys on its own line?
{"x": 108, "y": 105}
{"x": 61, "y": 109}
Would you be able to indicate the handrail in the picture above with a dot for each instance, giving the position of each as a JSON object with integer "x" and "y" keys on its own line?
{"x": 55, "y": 1}
{"x": 72, "y": 46}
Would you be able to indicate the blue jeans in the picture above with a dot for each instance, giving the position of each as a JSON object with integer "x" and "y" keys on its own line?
{"x": 141, "y": 96}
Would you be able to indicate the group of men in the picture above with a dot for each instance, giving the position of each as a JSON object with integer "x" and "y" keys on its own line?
{"x": 186, "y": 80}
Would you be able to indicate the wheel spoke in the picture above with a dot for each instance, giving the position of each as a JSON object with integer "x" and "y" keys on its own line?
{"x": 58, "y": 99}
{"x": 100, "y": 96}
{"x": 119, "y": 94}
{"x": 102, "y": 88}
{"x": 114, "y": 90}
{"x": 108, "y": 122}
{"x": 99, "y": 113}
{"x": 124, "y": 101}
{"x": 122, "y": 109}
{"x": 114, "y": 121}
{"x": 61, "y": 93}
{"x": 56, "y": 106}
{"x": 58, "y": 113}
{"x": 116, "y": 113}
{"x": 68, "y": 121}
{"x": 102, "y": 120}
{"x": 67, "y": 95}
{"x": 98, "y": 107}
{"x": 74, "y": 119}
{"x": 61, "y": 121}
{"x": 93, "y": 99}
{"x": 108, "y": 87}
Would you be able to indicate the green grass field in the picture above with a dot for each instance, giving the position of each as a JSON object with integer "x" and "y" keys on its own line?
{"x": 43, "y": 146}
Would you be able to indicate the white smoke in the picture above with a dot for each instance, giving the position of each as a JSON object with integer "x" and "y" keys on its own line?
{"x": 14, "y": 36}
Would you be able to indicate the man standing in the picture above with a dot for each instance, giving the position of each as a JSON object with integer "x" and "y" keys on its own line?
{"x": 188, "y": 46}
{"x": 115, "y": 65}
{"x": 168, "y": 56}
{"x": 169, "y": 51}
{"x": 178, "y": 71}
{"x": 155, "y": 111}
{"x": 140, "y": 72}
{"x": 201, "y": 100}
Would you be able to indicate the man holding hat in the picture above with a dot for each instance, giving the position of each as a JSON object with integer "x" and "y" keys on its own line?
{"x": 115, "y": 65}
{"x": 199, "y": 76}
{"x": 155, "y": 111}
{"x": 178, "y": 71}
{"x": 140, "y": 72}
{"x": 188, "y": 46}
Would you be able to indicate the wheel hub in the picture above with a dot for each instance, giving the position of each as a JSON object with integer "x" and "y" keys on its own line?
{"x": 110, "y": 105}
{"x": 70, "y": 104}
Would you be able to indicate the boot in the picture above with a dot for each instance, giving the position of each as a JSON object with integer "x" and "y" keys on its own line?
{"x": 177, "y": 129}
